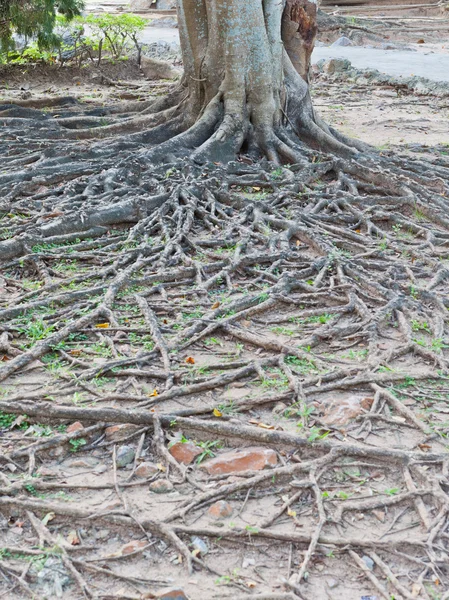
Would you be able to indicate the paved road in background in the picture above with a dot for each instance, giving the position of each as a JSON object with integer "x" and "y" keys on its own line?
{"x": 434, "y": 66}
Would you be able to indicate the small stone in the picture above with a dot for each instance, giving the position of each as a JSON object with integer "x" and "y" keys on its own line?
{"x": 146, "y": 469}
{"x": 343, "y": 410}
{"x": 243, "y": 459}
{"x": 368, "y": 562}
{"x": 220, "y": 510}
{"x": 124, "y": 456}
{"x": 171, "y": 594}
{"x": 200, "y": 545}
{"x": 184, "y": 452}
{"x": 161, "y": 486}
{"x": 336, "y": 65}
{"x": 332, "y": 583}
{"x": 380, "y": 515}
{"x": 153, "y": 68}
{"x": 343, "y": 41}
{"x": 115, "y": 433}
{"x": 100, "y": 469}
{"x": 77, "y": 426}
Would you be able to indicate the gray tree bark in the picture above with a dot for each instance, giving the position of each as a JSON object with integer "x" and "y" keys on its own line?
{"x": 246, "y": 83}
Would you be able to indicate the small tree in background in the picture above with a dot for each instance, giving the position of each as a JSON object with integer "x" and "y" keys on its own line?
{"x": 34, "y": 18}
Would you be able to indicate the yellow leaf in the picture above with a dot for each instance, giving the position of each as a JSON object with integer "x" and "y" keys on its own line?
{"x": 256, "y": 189}
{"x": 217, "y": 413}
{"x": 161, "y": 467}
{"x": 102, "y": 325}
{"x": 48, "y": 517}
{"x": 263, "y": 426}
{"x": 215, "y": 305}
{"x": 153, "y": 393}
{"x": 291, "y": 513}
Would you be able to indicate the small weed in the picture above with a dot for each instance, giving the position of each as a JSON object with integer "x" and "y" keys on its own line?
{"x": 76, "y": 445}
{"x": 207, "y": 449}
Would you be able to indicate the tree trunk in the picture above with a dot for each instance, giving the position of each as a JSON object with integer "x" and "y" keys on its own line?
{"x": 245, "y": 84}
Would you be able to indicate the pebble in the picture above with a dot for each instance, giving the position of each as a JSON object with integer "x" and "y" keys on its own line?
{"x": 368, "y": 562}
{"x": 146, "y": 469}
{"x": 124, "y": 456}
{"x": 243, "y": 459}
{"x": 342, "y": 41}
{"x": 184, "y": 452}
{"x": 161, "y": 486}
{"x": 220, "y": 510}
{"x": 77, "y": 426}
{"x": 200, "y": 545}
{"x": 171, "y": 594}
{"x": 332, "y": 583}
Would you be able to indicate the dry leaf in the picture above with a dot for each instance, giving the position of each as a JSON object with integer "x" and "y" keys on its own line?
{"x": 48, "y": 517}
{"x": 217, "y": 413}
{"x": 251, "y": 584}
{"x": 52, "y": 215}
{"x": 4, "y": 358}
{"x": 256, "y": 188}
{"x": 102, "y": 325}
{"x": 161, "y": 467}
{"x": 264, "y": 426}
{"x": 75, "y": 352}
{"x": 153, "y": 393}
{"x": 215, "y": 305}
{"x": 424, "y": 447}
{"x": 73, "y": 538}
{"x": 190, "y": 360}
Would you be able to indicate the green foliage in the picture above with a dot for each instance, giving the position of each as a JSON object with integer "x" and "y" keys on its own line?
{"x": 63, "y": 38}
{"x": 34, "y": 19}
{"x": 75, "y": 445}
{"x": 115, "y": 33}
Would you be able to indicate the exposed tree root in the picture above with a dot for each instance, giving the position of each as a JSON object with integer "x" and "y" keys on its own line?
{"x": 133, "y": 289}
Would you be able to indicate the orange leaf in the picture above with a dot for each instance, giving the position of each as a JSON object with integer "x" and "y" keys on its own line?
{"x": 73, "y": 538}
{"x": 102, "y": 325}
{"x": 4, "y": 358}
{"x": 190, "y": 360}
